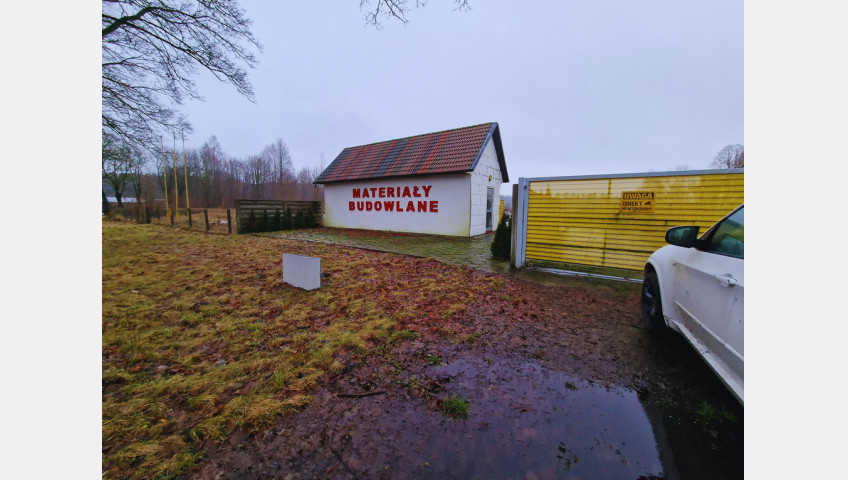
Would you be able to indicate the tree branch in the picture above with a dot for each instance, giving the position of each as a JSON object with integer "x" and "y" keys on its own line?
{"x": 120, "y": 22}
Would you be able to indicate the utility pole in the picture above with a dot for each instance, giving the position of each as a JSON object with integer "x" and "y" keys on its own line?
{"x": 177, "y": 194}
{"x": 165, "y": 176}
{"x": 185, "y": 173}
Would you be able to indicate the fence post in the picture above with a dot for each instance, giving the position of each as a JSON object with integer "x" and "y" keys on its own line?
{"x": 189, "y": 218}
{"x": 514, "y": 229}
{"x": 229, "y": 223}
{"x": 206, "y": 219}
{"x": 172, "y": 219}
{"x": 519, "y": 223}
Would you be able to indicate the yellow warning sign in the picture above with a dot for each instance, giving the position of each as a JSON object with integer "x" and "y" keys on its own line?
{"x": 637, "y": 202}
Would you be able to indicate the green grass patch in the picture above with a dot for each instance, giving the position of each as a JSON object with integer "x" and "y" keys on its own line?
{"x": 711, "y": 416}
{"x": 456, "y": 406}
{"x": 195, "y": 344}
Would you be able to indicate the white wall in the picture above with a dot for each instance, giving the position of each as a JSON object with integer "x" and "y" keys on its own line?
{"x": 488, "y": 165}
{"x": 452, "y": 194}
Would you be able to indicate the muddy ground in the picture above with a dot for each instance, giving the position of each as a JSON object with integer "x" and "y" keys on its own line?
{"x": 561, "y": 382}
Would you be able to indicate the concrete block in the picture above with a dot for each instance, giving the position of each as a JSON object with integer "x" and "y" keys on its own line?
{"x": 300, "y": 271}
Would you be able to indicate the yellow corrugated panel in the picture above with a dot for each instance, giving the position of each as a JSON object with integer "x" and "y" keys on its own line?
{"x": 614, "y": 222}
{"x": 500, "y": 211}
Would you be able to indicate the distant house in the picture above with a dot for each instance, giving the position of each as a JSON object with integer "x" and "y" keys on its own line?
{"x": 123, "y": 200}
{"x": 445, "y": 183}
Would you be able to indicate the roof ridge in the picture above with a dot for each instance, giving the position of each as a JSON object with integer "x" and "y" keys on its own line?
{"x": 422, "y": 134}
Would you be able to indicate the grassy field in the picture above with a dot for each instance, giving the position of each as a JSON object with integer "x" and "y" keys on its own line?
{"x": 200, "y": 336}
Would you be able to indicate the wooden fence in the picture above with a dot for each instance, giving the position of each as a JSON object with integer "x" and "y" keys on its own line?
{"x": 212, "y": 220}
{"x": 273, "y": 209}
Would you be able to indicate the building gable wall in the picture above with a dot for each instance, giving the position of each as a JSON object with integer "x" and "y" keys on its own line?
{"x": 487, "y": 166}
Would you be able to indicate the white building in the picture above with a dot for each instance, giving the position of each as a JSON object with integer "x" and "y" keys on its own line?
{"x": 444, "y": 183}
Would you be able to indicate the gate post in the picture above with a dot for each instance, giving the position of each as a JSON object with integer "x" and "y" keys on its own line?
{"x": 520, "y": 196}
{"x": 513, "y": 225}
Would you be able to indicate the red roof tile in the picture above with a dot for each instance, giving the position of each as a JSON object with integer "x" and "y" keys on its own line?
{"x": 449, "y": 151}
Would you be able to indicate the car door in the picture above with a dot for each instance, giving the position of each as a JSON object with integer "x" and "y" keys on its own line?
{"x": 709, "y": 290}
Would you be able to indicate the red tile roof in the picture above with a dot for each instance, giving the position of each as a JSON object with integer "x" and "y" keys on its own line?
{"x": 449, "y": 151}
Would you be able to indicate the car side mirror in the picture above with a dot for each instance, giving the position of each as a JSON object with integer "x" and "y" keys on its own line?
{"x": 682, "y": 236}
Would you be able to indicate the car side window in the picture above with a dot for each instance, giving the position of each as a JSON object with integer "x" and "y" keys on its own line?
{"x": 729, "y": 237}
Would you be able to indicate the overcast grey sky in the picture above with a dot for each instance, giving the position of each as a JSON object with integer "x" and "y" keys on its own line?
{"x": 577, "y": 86}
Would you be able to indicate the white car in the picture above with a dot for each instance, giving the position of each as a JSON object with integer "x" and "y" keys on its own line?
{"x": 696, "y": 286}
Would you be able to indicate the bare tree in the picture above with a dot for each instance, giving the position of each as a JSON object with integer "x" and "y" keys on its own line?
{"x": 151, "y": 50}
{"x": 119, "y": 162}
{"x": 306, "y": 175}
{"x": 258, "y": 172}
{"x": 731, "y": 156}
{"x": 234, "y": 173}
{"x": 137, "y": 175}
{"x": 211, "y": 173}
{"x": 278, "y": 155}
{"x": 397, "y": 9}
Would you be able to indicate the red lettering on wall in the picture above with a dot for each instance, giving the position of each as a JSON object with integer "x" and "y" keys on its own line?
{"x": 394, "y": 206}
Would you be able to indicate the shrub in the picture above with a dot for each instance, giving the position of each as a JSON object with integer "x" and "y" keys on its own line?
{"x": 503, "y": 237}
{"x": 265, "y": 224}
{"x": 299, "y": 220}
{"x": 278, "y": 221}
{"x": 309, "y": 219}
{"x": 287, "y": 220}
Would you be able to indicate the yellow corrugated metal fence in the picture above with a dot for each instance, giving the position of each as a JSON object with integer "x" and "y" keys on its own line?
{"x": 500, "y": 212}
{"x": 619, "y": 222}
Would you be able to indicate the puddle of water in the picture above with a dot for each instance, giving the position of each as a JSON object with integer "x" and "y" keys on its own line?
{"x": 533, "y": 423}
{"x": 526, "y": 422}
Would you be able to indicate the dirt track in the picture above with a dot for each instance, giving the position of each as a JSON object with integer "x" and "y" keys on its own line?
{"x": 562, "y": 382}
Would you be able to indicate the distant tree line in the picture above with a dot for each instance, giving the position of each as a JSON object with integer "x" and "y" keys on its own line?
{"x": 215, "y": 179}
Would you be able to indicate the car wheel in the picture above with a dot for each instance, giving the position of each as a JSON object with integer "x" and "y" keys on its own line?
{"x": 651, "y": 303}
